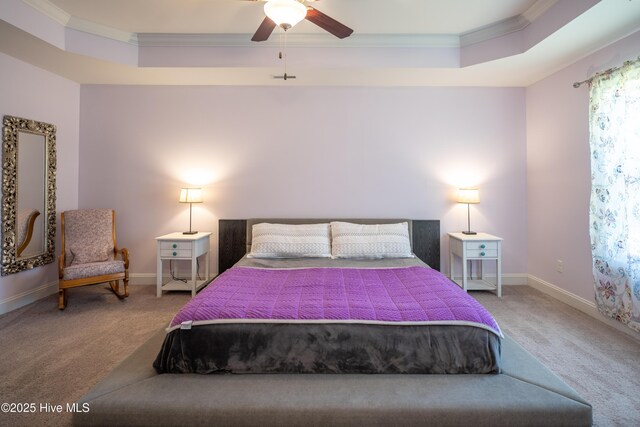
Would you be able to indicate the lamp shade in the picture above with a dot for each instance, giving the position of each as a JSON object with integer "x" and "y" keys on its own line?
{"x": 468, "y": 195}
{"x": 190, "y": 195}
{"x": 285, "y": 13}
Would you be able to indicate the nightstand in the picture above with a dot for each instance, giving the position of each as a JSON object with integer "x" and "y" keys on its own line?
{"x": 481, "y": 246}
{"x": 178, "y": 246}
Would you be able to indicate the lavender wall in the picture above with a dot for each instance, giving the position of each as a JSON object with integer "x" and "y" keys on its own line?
{"x": 303, "y": 152}
{"x": 33, "y": 93}
{"x": 559, "y": 170}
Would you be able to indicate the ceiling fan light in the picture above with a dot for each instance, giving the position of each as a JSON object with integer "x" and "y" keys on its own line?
{"x": 285, "y": 13}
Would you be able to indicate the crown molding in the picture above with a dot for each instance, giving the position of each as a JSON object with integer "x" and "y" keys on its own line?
{"x": 298, "y": 40}
{"x": 49, "y": 9}
{"x": 506, "y": 26}
{"x": 478, "y": 35}
{"x": 538, "y": 9}
{"x": 499, "y": 29}
{"x": 83, "y": 25}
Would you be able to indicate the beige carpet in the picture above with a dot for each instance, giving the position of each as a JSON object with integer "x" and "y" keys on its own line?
{"x": 599, "y": 362}
{"x": 55, "y": 357}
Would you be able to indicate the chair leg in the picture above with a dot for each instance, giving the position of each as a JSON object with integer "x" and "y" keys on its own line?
{"x": 126, "y": 286}
{"x": 62, "y": 298}
{"x": 115, "y": 288}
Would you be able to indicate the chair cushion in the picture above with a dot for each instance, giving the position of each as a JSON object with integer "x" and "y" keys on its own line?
{"x": 88, "y": 235}
{"x": 91, "y": 269}
{"x": 98, "y": 252}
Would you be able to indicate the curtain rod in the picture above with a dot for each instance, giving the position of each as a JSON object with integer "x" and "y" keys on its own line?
{"x": 609, "y": 71}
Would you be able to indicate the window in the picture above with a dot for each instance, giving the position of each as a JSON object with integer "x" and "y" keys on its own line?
{"x": 614, "y": 128}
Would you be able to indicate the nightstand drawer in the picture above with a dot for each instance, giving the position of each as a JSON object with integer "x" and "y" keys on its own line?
{"x": 482, "y": 253}
{"x": 175, "y": 253}
{"x": 482, "y": 245}
{"x": 175, "y": 245}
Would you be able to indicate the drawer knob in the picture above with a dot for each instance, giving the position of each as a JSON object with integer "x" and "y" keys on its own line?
{"x": 482, "y": 246}
{"x": 175, "y": 246}
{"x": 176, "y": 253}
{"x": 482, "y": 253}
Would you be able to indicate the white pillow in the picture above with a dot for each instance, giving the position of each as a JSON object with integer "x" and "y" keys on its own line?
{"x": 290, "y": 241}
{"x": 370, "y": 241}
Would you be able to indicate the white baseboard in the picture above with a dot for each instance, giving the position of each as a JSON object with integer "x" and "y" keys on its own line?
{"x": 142, "y": 279}
{"x": 520, "y": 279}
{"x": 517, "y": 279}
{"x": 579, "y": 303}
{"x": 24, "y": 298}
{"x": 146, "y": 279}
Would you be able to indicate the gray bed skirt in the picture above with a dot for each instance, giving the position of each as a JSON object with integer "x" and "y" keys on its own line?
{"x": 329, "y": 348}
{"x": 525, "y": 393}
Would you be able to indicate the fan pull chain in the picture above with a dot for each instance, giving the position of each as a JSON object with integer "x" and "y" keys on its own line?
{"x": 285, "y": 55}
{"x": 282, "y": 54}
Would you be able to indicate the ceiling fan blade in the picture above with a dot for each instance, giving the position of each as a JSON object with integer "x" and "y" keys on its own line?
{"x": 327, "y": 23}
{"x": 264, "y": 30}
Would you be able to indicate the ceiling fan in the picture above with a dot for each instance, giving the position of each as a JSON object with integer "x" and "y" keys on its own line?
{"x": 287, "y": 13}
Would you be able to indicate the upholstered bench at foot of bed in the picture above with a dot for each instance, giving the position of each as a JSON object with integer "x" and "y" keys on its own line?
{"x": 526, "y": 393}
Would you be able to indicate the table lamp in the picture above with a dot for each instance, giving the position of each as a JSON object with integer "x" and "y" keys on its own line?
{"x": 191, "y": 196}
{"x": 468, "y": 196}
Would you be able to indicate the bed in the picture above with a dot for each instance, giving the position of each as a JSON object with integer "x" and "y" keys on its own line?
{"x": 331, "y": 297}
{"x": 517, "y": 391}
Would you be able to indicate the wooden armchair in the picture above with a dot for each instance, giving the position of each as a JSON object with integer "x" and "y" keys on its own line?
{"x": 89, "y": 253}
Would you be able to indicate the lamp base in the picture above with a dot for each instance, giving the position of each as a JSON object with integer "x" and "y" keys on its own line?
{"x": 469, "y": 232}
{"x": 189, "y": 232}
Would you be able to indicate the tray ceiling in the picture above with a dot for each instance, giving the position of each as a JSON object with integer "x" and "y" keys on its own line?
{"x": 395, "y": 43}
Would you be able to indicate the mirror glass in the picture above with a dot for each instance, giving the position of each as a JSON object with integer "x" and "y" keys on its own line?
{"x": 28, "y": 194}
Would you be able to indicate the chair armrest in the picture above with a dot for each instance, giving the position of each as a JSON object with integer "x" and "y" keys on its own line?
{"x": 124, "y": 253}
{"x": 61, "y": 266}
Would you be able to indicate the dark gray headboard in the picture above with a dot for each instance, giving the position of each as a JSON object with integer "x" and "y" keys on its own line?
{"x": 235, "y": 234}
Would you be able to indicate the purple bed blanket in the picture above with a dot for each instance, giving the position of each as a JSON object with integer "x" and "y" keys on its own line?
{"x": 410, "y": 295}
{"x": 409, "y": 320}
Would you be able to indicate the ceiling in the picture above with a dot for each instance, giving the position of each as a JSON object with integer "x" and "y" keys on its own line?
{"x": 395, "y": 43}
{"x": 243, "y": 17}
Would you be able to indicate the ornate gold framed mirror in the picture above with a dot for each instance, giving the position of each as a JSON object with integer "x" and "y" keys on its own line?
{"x": 28, "y": 194}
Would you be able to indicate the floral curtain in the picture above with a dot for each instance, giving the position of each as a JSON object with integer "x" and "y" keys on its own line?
{"x": 614, "y": 125}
